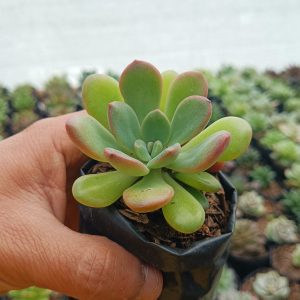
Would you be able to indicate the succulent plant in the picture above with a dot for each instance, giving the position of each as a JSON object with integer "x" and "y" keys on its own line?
{"x": 153, "y": 150}
{"x": 271, "y": 286}
{"x": 258, "y": 121}
{"x": 227, "y": 280}
{"x": 250, "y": 158}
{"x": 272, "y": 137}
{"x": 293, "y": 175}
{"x": 291, "y": 129}
{"x": 22, "y": 98}
{"x": 236, "y": 295}
{"x": 292, "y": 204}
{"x": 60, "y": 96}
{"x": 296, "y": 256}
{"x": 247, "y": 241}
{"x": 286, "y": 152}
{"x": 281, "y": 230}
{"x": 31, "y": 293}
{"x": 263, "y": 175}
{"x": 252, "y": 204}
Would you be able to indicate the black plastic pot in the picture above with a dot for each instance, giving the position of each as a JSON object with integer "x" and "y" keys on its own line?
{"x": 188, "y": 273}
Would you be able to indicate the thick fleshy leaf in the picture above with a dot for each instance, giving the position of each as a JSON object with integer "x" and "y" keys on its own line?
{"x": 100, "y": 190}
{"x": 185, "y": 85}
{"x": 148, "y": 194}
{"x": 240, "y": 132}
{"x": 124, "y": 124}
{"x": 157, "y": 148}
{"x": 190, "y": 117}
{"x": 203, "y": 155}
{"x": 90, "y": 136}
{"x": 167, "y": 79}
{"x": 125, "y": 163}
{"x": 165, "y": 157}
{"x": 198, "y": 195}
{"x": 184, "y": 213}
{"x": 98, "y": 91}
{"x": 156, "y": 127}
{"x": 150, "y": 146}
{"x": 202, "y": 181}
{"x": 141, "y": 86}
{"x": 141, "y": 151}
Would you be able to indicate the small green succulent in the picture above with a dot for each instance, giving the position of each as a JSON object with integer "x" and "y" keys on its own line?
{"x": 150, "y": 128}
{"x": 22, "y": 98}
{"x": 264, "y": 175}
{"x": 296, "y": 256}
{"x": 236, "y": 295}
{"x": 252, "y": 204}
{"x": 31, "y": 293}
{"x": 272, "y": 137}
{"x": 227, "y": 280}
{"x": 292, "y": 204}
{"x": 286, "y": 152}
{"x": 293, "y": 175}
{"x": 281, "y": 230}
{"x": 271, "y": 286}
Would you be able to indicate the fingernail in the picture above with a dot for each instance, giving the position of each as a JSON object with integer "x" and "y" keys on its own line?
{"x": 153, "y": 283}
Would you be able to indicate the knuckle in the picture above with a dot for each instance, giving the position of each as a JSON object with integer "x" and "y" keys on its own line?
{"x": 95, "y": 273}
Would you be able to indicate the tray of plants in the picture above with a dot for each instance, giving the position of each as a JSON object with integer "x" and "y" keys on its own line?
{"x": 153, "y": 184}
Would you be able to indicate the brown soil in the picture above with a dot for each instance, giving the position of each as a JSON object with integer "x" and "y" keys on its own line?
{"x": 273, "y": 191}
{"x": 273, "y": 207}
{"x": 155, "y": 228}
{"x": 295, "y": 292}
{"x": 281, "y": 259}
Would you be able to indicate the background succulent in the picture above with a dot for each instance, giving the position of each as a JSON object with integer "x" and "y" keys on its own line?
{"x": 296, "y": 256}
{"x": 247, "y": 241}
{"x": 252, "y": 204}
{"x": 236, "y": 295}
{"x": 271, "y": 286}
{"x": 150, "y": 128}
{"x": 293, "y": 176}
{"x": 31, "y": 293}
{"x": 264, "y": 175}
{"x": 22, "y": 98}
{"x": 292, "y": 204}
{"x": 281, "y": 230}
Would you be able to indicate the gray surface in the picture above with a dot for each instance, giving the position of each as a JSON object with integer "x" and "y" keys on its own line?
{"x": 39, "y": 38}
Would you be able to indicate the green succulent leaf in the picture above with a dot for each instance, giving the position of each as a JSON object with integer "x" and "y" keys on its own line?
{"x": 124, "y": 124}
{"x": 198, "y": 195}
{"x": 184, "y": 213}
{"x": 101, "y": 190}
{"x": 157, "y": 148}
{"x": 141, "y": 86}
{"x": 97, "y": 92}
{"x": 167, "y": 79}
{"x": 190, "y": 117}
{"x": 141, "y": 151}
{"x": 202, "y": 181}
{"x": 125, "y": 163}
{"x": 148, "y": 194}
{"x": 203, "y": 155}
{"x": 90, "y": 136}
{"x": 165, "y": 157}
{"x": 185, "y": 85}
{"x": 240, "y": 132}
{"x": 156, "y": 126}
{"x": 150, "y": 146}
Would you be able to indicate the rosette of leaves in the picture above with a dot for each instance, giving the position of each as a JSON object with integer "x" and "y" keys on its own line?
{"x": 293, "y": 176}
{"x": 292, "y": 204}
{"x": 227, "y": 282}
{"x": 252, "y": 204}
{"x": 247, "y": 241}
{"x": 151, "y": 129}
{"x": 264, "y": 175}
{"x": 61, "y": 98}
{"x": 296, "y": 256}
{"x": 271, "y": 286}
{"x": 286, "y": 152}
{"x": 281, "y": 230}
{"x": 31, "y": 293}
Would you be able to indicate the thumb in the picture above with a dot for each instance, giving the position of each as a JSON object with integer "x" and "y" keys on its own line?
{"x": 75, "y": 264}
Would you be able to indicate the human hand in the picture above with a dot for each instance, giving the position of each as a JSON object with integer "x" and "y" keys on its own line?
{"x": 38, "y": 218}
